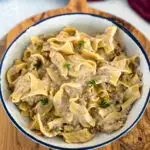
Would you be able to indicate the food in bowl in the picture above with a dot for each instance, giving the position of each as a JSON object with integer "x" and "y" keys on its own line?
{"x": 74, "y": 85}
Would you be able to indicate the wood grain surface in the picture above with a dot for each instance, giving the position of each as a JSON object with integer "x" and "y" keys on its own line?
{"x": 11, "y": 139}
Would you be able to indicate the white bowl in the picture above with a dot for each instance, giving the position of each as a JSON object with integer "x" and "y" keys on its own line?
{"x": 90, "y": 24}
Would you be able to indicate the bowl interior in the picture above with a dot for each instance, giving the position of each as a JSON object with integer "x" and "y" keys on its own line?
{"x": 89, "y": 24}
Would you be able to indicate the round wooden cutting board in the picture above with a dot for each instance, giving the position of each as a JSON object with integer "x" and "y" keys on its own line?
{"x": 11, "y": 139}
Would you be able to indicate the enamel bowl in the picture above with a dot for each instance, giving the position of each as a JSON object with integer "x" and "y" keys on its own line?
{"x": 90, "y": 24}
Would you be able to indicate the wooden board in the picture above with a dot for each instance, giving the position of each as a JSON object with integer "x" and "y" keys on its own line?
{"x": 11, "y": 139}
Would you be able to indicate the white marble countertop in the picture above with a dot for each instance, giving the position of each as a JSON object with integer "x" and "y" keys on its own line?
{"x": 14, "y": 11}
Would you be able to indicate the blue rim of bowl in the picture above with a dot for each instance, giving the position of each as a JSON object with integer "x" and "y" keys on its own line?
{"x": 89, "y": 147}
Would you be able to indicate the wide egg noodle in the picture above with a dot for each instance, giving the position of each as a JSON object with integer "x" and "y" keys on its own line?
{"x": 82, "y": 114}
{"x": 11, "y": 73}
{"x": 68, "y": 34}
{"x": 37, "y": 87}
{"x": 80, "y": 136}
{"x": 106, "y": 40}
{"x": 54, "y": 75}
{"x": 81, "y": 66}
{"x": 109, "y": 74}
{"x": 22, "y": 87}
{"x": 45, "y": 131}
{"x": 130, "y": 96}
{"x": 65, "y": 47}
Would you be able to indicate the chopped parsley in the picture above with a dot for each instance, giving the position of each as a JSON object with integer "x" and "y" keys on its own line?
{"x": 104, "y": 104}
{"x": 80, "y": 44}
{"x": 91, "y": 83}
{"x": 67, "y": 65}
{"x": 44, "y": 101}
{"x": 58, "y": 129}
{"x": 53, "y": 35}
{"x": 39, "y": 46}
{"x": 38, "y": 64}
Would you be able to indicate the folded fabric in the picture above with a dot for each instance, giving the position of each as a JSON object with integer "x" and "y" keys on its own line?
{"x": 142, "y": 7}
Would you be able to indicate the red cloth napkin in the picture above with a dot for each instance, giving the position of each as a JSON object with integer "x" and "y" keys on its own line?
{"x": 142, "y": 7}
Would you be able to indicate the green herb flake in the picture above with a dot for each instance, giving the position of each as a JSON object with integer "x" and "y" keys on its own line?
{"x": 91, "y": 83}
{"x": 44, "y": 101}
{"x": 58, "y": 129}
{"x": 53, "y": 35}
{"x": 80, "y": 44}
{"x": 37, "y": 64}
{"x": 39, "y": 46}
{"x": 67, "y": 65}
{"x": 104, "y": 104}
